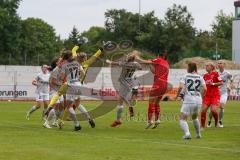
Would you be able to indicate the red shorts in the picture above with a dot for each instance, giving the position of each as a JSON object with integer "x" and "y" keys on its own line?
{"x": 158, "y": 89}
{"x": 211, "y": 101}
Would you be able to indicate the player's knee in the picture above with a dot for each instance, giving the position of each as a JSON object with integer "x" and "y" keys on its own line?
{"x": 120, "y": 107}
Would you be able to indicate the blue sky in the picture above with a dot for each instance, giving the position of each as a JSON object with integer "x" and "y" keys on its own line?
{"x": 64, "y": 14}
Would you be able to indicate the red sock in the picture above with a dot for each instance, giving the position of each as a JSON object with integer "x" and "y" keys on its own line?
{"x": 157, "y": 112}
{"x": 203, "y": 119}
{"x": 150, "y": 111}
{"x": 215, "y": 116}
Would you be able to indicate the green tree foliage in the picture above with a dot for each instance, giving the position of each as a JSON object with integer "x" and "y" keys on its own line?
{"x": 39, "y": 41}
{"x": 222, "y": 26}
{"x": 72, "y": 38}
{"x": 178, "y": 31}
{"x": 9, "y": 30}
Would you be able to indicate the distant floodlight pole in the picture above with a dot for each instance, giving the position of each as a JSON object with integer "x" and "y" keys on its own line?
{"x": 139, "y": 16}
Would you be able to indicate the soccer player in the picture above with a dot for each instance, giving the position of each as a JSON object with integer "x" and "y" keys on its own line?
{"x": 191, "y": 85}
{"x": 212, "y": 96}
{"x": 86, "y": 63}
{"x": 136, "y": 85}
{"x": 126, "y": 82}
{"x": 226, "y": 77}
{"x": 55, "y": 83}
{"x": 160, "y": 68}
{"x": 42, "y": 91}
{"x": 71, "y": 72}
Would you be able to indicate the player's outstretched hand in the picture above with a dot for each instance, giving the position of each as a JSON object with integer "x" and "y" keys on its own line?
{"x": 108, "y": 61}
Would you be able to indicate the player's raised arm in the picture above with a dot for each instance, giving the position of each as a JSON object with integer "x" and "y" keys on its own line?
{"x": 112, "y": 62}
{"x": 140, "y": 60}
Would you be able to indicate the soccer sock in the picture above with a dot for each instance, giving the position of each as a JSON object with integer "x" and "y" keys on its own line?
{"x": 83, "y": 110}
{"x": 184, "y": 127}
{"x": 50, "y": 115}
{"x": 215, "y": 116}
{"x": 221, "y": 112}
{"x": 196, "y": 125}
{"x": 34, "y": 108}
{"x": 53, "y": 100}
{"x": 210, "y": 116}
{"x": 203, "y": 119}
{"x": 157, "y": 112}
{"x": 150, "y": 111}
{"x": 44, "y": 111}
{"x": 57, "y": 114}
{"x": 73, "y": 116}
{"x": 119, "y": 112}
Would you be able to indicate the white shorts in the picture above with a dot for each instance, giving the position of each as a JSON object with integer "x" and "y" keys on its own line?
{"x": 190, "y": 109}
{"x": 223, "y": 98}
{"x": 125, "y": 91}
{"x": 42, "y": 97}
{"x": 72, "y": 97}
{"x": 191, "y": 105}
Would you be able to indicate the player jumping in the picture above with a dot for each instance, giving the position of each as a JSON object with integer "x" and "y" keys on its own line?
{"x": 160, "y": 68}
{"x": 126, "y": 82}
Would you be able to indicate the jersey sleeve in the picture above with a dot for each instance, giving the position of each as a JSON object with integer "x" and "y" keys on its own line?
{"x": 219, "y": 79}
{"x": 37, "y": 77}
{"x": 203, "y": 83}
{"x": 230, "y": 77}
{"x": 138, "y": 66}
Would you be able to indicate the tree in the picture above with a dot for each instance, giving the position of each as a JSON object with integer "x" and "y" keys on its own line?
{"x": 222, "y": 26}
{"x": 10, "y": 27}
{"x": 39, "y": 41}
{"x": 72, "y": 38}
{"x": 178, "y": 32}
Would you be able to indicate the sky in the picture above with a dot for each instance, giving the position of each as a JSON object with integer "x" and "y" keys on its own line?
{"x": 64, "y": 14}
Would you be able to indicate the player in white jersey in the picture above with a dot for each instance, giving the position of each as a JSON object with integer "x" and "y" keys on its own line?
{"x": 226, "y": 77}
{"x": 71, "y": 72}
{"x": 42, "y": 91}
{"x": 55, "y": 83}
{"x": 126, "y": 83}
{"x": 192, "y": 84}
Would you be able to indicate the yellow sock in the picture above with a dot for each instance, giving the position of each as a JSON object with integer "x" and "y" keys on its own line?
{"x": 54, "y": 99}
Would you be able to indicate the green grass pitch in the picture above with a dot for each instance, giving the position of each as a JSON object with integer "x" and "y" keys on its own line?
{"x": 28, "y": 140}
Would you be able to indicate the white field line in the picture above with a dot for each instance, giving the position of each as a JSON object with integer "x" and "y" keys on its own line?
{"x": 151, "y": 141}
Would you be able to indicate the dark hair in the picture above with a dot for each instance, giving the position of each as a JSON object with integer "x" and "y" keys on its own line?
{"x": 66, "y": 54}
{"x": 192, "y": 67}
{"x": 53, "y": 64}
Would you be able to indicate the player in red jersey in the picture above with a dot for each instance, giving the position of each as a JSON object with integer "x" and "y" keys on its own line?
{"x": 160, "y": 68}
{"x": 212, "y": 96}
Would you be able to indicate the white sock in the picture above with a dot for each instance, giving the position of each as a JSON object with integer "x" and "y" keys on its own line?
{"x": 119, "y": 112}
{"x": 221, "y": 112}
{"x": 34, "y": 108}
{"x": 184, "y": 126}
{"x": 51, "y": 114}
{"x": 196, "y": 125}
{"x": 83, "y": 110}
{"x": 57, "y": 115}
{"x": 73, "y": 116}
{"x": 44, "y": 111}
